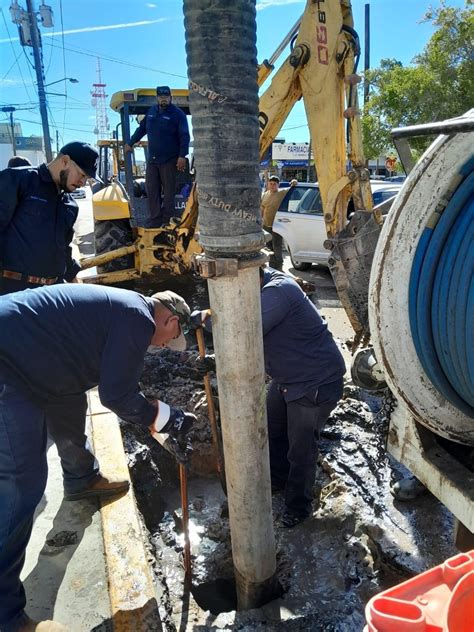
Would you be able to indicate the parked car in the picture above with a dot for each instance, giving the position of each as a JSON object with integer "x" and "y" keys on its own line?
{"x": 79, "y": 193}
{"x": 396, "y": 178}
{"x": 299, "y": 220}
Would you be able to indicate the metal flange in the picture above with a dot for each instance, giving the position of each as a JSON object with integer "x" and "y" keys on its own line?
{"x": 209, "y": 267}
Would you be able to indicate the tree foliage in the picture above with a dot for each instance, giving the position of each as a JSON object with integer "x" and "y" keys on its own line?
{"x": 438, "y": 84}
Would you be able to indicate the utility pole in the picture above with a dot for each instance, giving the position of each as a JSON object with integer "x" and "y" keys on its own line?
{"x": 57, "y": 142}
{"x": 309, "y": 163}
{"x": 10, "y": 111}
{"x": 36, "y": 44}
{"x": 366, "y": 52}
{"x": 28, "y": 31}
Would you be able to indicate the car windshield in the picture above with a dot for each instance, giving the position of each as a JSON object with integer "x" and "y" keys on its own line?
{"x": 292, "y": 198}
{"x": 384, "y": 194}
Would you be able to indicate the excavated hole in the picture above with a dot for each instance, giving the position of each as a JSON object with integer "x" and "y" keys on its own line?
{"x": 355, "y": 545}
{"x": 216, "y": 596}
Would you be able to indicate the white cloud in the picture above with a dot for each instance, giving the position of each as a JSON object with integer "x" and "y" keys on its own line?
{"x": 267, "y": 4}
{"x": 14, "y": 83}
{"x": 91, "y": 29}
{"x": 150, "y": 5}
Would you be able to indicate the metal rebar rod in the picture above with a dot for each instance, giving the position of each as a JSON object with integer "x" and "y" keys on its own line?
{"x": 183, "y": 480}
{"x": 212, "y": 414}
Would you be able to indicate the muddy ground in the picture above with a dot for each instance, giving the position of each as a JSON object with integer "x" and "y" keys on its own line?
{"x": 357, "y": 542}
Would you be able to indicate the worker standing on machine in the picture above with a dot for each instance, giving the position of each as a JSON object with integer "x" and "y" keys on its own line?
{"x": 167, "y": 131}
{"x": 55, "y": 344}
{"x": 307, "y": 370}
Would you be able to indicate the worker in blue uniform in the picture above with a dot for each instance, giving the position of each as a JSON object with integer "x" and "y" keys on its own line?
{"x": 55, "y": 344}
{"x": 37, "y": 215}
{"x": 307, "y": 368}
{"x": 167, "y": 131}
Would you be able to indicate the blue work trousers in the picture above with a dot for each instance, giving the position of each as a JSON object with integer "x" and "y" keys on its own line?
{"x": 293, "y": 432}
{"x": 276, "y": 246}
{"x": 161, "y": 180}
{"x": 23, "y": 473}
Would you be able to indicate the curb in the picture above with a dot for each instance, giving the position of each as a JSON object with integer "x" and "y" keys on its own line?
{"x": 132, "y": 592}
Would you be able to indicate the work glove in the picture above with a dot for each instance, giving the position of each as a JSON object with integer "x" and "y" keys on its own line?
{"x": 205, "y": 365}
{"x": 179, "y": 423}
{"x": 201, "y": 318}
{"x": 179, "y": 447}
{"x": 173, "y": 436}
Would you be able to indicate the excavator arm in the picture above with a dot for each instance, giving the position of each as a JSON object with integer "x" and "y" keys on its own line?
{"x": 321, "y": 69}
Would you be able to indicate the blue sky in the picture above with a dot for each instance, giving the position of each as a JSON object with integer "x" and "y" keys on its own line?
{"x": 141, "y": 44}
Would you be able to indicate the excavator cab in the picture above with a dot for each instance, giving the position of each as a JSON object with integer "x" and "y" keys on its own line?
{"x": 120, "y": 205}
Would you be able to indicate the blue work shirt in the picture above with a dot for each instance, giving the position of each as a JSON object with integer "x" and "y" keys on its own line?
{"x": 300, "y": 352}
{"x": 36, "y": 224}
{"x": 65, "y": 339}
{"x": 167, "y": 132}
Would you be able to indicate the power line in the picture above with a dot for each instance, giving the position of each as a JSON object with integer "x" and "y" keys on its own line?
{"x": 81, "y": 51}
{"x": 69, "y": 129}
{"x": 50, "y": 58}
{"x": 64, "y": 59}
{"x": 13, "y": 49}
{"x": 285, "y": 129}
{"x": 8, "y": 71}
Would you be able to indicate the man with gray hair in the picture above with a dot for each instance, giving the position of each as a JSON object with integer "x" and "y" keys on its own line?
{"x": 55, "y": 344}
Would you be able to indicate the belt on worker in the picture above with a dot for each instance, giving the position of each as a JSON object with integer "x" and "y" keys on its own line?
{"x": 29, "y": 278}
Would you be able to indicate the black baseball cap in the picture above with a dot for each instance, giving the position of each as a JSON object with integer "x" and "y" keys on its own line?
{"x": 163, "y": 91}
{"x": 85, "y": 157}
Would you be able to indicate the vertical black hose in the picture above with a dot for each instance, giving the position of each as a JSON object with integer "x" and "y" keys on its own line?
{"x": 222, "y": 69}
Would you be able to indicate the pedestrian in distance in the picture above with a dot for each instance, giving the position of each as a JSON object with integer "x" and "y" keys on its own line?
{"x": 167, "y": 131}
{"x": 271, "y": 200}
{"x": 55, "y": 344}
{"x": 18, "y": 161}
{"x": 37, "y": 215}
{"x": 307, "y": 369}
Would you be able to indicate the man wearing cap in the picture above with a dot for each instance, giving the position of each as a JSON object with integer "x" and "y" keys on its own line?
{"x": 167, "y": 131}
{"x": 37, "y": 215}
{"x": 55, "y": 344}
{"x": 271, "y": 200}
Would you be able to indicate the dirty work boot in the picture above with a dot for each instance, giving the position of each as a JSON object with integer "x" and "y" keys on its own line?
{"x": 407, "y": 489}
{"x": 101, "y": 487}
{"x": 43, "y": 626}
